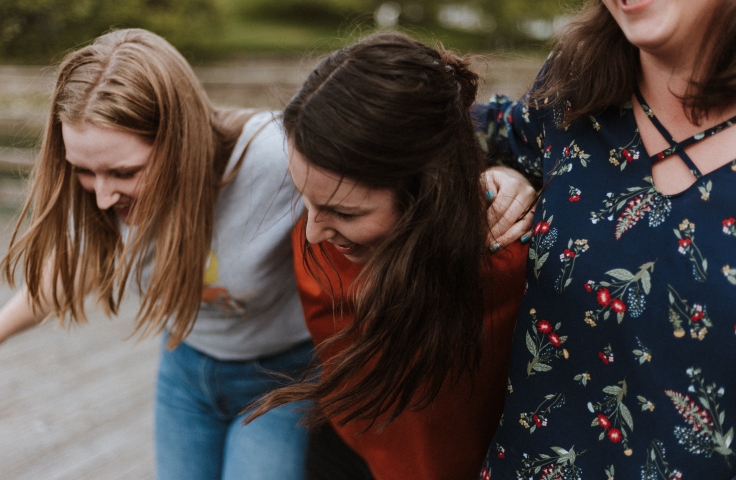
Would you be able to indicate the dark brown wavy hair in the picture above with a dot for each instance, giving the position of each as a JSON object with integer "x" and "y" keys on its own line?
{"x": 392, "y": 113}
{"x": 593, "y": 66}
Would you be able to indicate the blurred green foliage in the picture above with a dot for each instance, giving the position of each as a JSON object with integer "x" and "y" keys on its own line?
{"x": 42, "y": 29}
{"x": 33, "y": 31}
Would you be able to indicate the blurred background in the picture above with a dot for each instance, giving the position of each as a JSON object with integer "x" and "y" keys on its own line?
{"x": 76, "y": 403}
{"x": 38, "y": 31}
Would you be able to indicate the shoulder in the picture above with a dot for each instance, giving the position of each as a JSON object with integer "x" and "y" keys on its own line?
{"x": 262, "y": 142}
{"x": 508, "y": 261}
{"x": 261, "y": 128}
{"x": 504, "y": 272}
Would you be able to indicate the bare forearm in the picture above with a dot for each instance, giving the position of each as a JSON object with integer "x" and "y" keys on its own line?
{"x": 17, "y": 315}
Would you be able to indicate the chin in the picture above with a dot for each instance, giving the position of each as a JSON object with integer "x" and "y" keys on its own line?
{"x": 360, "y": 257}
{"x": 358, "y": 260}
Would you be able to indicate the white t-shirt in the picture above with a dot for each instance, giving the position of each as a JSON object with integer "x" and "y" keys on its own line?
{"x": 250, "y": 306}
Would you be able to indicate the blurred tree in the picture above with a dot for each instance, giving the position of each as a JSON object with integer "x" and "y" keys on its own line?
{"x": 41, "y": 30}
{"x": 508, "y": 17}
{"x": 37, "y": 30}
{"x": 330, "y": 12}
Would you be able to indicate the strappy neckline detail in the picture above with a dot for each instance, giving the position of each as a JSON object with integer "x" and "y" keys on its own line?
{"x": 675, "y": 146}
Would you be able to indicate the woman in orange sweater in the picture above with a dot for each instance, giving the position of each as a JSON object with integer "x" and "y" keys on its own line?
{"x": 412, "y": 316}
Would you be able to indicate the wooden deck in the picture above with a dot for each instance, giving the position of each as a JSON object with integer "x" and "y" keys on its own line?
{"x": 76, "y": 404}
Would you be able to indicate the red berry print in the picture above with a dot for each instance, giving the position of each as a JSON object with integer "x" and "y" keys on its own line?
{"x": 697, "y": 316}
{"x": 603, "y": 421}
{"x": 541, "y": 227}
{"x": 544, "y": 326}
{"x": 618, "y": 306}
{"x": 537, "y": 422}
{"x": 603, "y": 296}
{"x": 614, "y": 435}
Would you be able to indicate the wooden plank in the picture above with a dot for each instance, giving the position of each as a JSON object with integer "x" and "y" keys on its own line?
{"x": 76, "y": 404}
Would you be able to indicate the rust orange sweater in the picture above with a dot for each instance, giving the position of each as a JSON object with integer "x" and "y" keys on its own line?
{"x": 449, "y": 438}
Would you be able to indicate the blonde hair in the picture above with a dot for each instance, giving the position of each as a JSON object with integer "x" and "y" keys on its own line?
{"x": 134, "y": 81}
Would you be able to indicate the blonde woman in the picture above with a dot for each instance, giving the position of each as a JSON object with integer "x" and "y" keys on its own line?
{"x": 142, "y": 183}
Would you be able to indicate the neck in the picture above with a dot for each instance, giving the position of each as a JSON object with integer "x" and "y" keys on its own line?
{"x": 663, "y": 84}
{"x": 665, "y": 75}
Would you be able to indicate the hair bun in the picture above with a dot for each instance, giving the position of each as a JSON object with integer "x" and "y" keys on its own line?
{"x": 467, "y": 80}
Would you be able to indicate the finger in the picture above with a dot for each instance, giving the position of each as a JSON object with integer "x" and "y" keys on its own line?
{"x": 509, "y": 231}
{"x": 500, "y": 205}
{"x": 524, "y": 224}
{"x": 514, "y": 234}
{"x": 515, "y": 224}
{"x": 506, "y": 211}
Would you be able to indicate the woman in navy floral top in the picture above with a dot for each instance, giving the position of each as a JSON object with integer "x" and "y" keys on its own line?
{"x": 624, "y": 359}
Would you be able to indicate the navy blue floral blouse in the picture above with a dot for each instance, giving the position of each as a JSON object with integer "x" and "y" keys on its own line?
{"x": 624, "y": 355}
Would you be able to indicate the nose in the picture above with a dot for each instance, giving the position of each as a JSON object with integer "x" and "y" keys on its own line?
{"x": 105, "y": 193}
{"x": 317, "y": 229}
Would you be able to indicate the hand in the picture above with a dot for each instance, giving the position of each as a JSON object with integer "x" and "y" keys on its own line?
{"x": 510, "y": 195}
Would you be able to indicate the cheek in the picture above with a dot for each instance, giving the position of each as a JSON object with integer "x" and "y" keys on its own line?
{"x": 135, "y": 189}
{"x": 380, "y": 229}
{"x": 87, "y": 182}
{"x": 134, "y": 186}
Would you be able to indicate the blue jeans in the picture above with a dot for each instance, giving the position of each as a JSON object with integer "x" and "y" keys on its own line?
{"x": 199, "y": 433}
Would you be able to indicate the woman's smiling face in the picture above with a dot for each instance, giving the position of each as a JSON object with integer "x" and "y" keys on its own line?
{"x": 109, "y": 163}
{"x": 353, "y": 217}
{"x": 664, "y": 27}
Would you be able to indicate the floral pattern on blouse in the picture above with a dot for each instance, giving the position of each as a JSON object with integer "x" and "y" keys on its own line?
{"x": 624, "y": 358}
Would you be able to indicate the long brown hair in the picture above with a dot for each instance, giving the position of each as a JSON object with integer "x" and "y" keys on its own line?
{"x": 391, "y": 113}
{"x": 593, "y": 66}
{"x": 135, "y": 81}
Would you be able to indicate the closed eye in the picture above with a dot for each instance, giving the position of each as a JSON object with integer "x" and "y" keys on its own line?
{"x": 81, "y": 171}
{"x": 344, "y": 216}
{"x": 124, "y": 175}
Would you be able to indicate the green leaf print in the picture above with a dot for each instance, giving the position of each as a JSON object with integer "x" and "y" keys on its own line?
{"x": 704, "y": 430}
{"x": 544, "y": 344}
